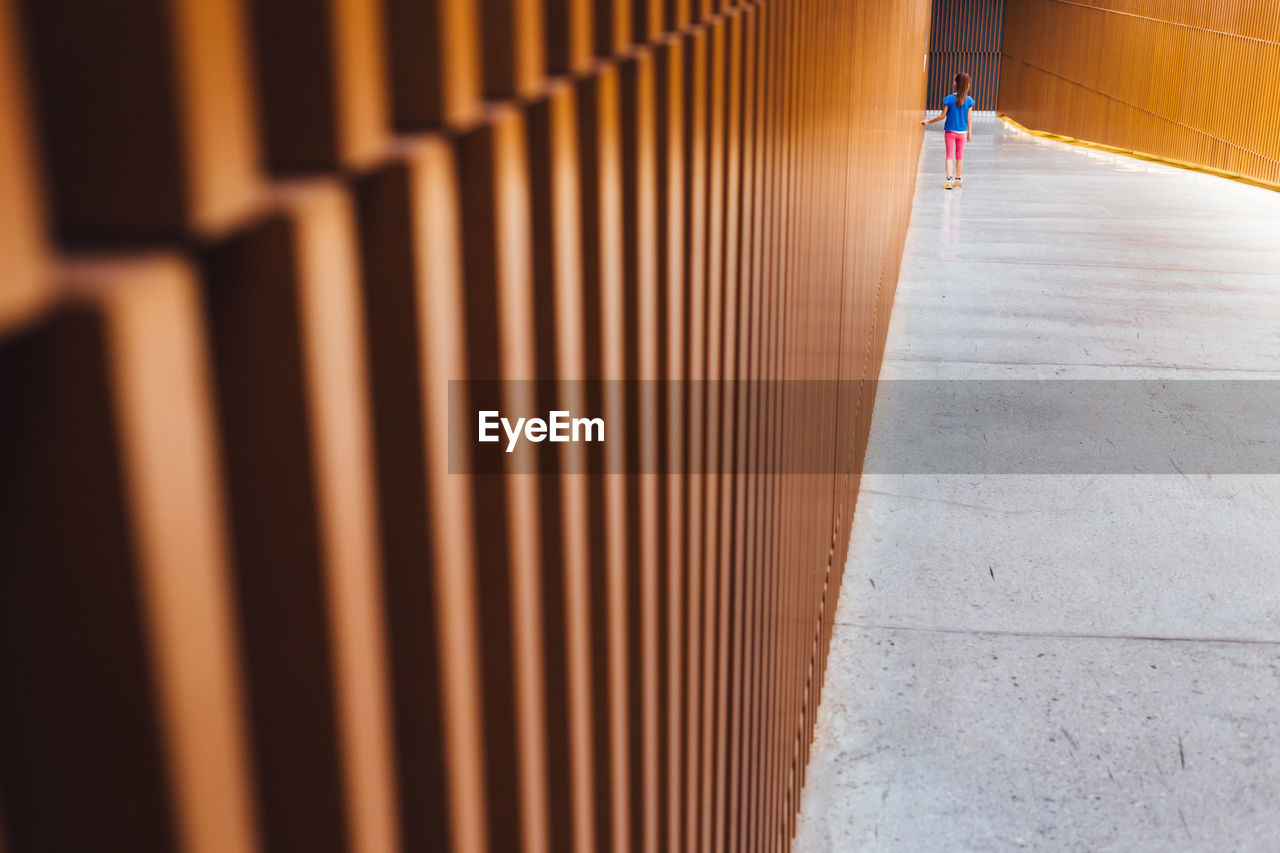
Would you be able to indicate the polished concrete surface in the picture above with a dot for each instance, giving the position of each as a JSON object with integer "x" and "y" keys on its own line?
{"x": 1083, "y": 661}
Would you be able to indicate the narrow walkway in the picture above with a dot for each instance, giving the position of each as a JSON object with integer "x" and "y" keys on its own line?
{"x": 1063, "y": 662}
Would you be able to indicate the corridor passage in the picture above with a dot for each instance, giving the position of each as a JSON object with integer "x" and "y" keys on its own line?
{"x": 1073, "y": 661}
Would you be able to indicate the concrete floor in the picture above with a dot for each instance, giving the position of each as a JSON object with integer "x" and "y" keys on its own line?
{"x": 1080, "y": 661}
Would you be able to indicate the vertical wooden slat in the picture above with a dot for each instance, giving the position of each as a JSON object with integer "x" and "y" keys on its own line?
{"x": 22, "y": 239}
{"x": 333, "y": 347}
{"x": 647, "y": 20}
{"x": 639, "y": 287}
{"x": 387, "y": 214}
{"x": 516, "y": 359}
{"x": 289, "y": 364}
{"x": 158, "y": 358}
{"x": 559, "y": 306}
{"x": 407, "y": 209}
{"x": 71, "y": 627}
{"x": 570, "y": 35}
{"x": 712, "y": 570}
{"x": 126, "y": 677}
{"x": 694, "y": 251}
{"x": 149, "y": 125}
{"x": 322, "y": 82}
{"x": 619, "y": 556}
{"x": 730, "y": 557}
{"x": 754, "y": 660}
{"x": 677, "y": 14}
{"x": 785, "y": 665}
{"x": 440, "y": 319}
{"x": 766, "y": 740}
{"x": 546, "y": 173}
{"x": 670, "y": 88}
{"x": 592, "y": 102}
{"x": 513, "y": 46}
{"x": 497, "y": 258}
{"x": 612, "y": 21}
{"x": 433, "y": 61}
{"x": 743, "y": 70}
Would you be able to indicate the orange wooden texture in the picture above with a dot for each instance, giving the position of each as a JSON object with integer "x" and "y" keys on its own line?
{"x": 540, "y": 658}
{"x": 22, "y": 238}
{"x": 1188, "y": 81}
{"x": 124, "y": 717}
{"x": 148, "y": 115}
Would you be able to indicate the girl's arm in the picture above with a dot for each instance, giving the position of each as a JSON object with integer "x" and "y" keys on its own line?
{"x": 969, "y": 124}
{"x": 939, "y": 117}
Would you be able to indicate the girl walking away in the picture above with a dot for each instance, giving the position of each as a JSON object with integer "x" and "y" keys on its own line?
{"x": 955, "y": 109}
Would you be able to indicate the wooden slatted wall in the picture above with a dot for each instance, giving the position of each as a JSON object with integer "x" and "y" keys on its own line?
{"x": 1180, "y": 79}
{"x": 965, "y": 36}
{"x": 247, "y": 245}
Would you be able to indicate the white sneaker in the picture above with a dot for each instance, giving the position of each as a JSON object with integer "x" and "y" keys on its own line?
{"x": 949, "y": 184}
{"x": 959, "y": 182}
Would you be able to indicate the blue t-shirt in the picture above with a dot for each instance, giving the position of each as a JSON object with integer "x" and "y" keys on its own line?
{"x": 958, "y": 119}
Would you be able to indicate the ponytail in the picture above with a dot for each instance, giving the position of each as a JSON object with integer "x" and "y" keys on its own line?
{"x": 962, "y": 87}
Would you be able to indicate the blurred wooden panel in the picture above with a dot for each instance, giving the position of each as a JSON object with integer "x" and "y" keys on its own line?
{"x": 613, "y": 557}
{"x": 677, "y": 14}
{"x": 515, "y": 56}
{"x": 715, "y": 583}
{"x": 600, "y": 207}
{"x": 411, "y": 284}
{"x": 570, "y": 35}
{"x": 558, "y": 300}
{"x": 669, "y": 201}
{"x": 433, "y": 59}
{"x": 640, "y": 360}
{"x": 411, "y": 261}
{"x": 762, "y": 799}
{"x": 147, "y": 114}
{"x": 322, "y": 84}
{"x": 702, "y": 10}
{"x": 288, "y": 339}
{"x": 694, "y": 254}
{"x": 588, "y": 228}
{"x": 390, "y": 290}
{"x": 497, "y": 256}
{"x": 439, "y": 316}
{"x": 603, "y": 661}
{"x": 161, "y": 395}
{"x": 742, "y": 66}
{"x": 118, "y": 647}
{"x": 647, "y": 20}
{"x": 22, "y": 243}
{"x": 743, "y": 815}
{"x": 71, "y": 625}
{"x": 1190, "y": 82}
{"x": 612, "y": 21}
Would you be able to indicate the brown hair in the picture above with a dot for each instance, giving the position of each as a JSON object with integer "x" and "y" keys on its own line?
{"x": 962, "y": 86}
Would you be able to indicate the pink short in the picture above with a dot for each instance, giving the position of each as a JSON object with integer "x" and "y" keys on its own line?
{"x": 955, "y": 145}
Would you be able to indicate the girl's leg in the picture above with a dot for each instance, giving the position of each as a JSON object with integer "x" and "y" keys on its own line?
{"x": 950, "y": 140}
{"x": 960, "y": 140}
